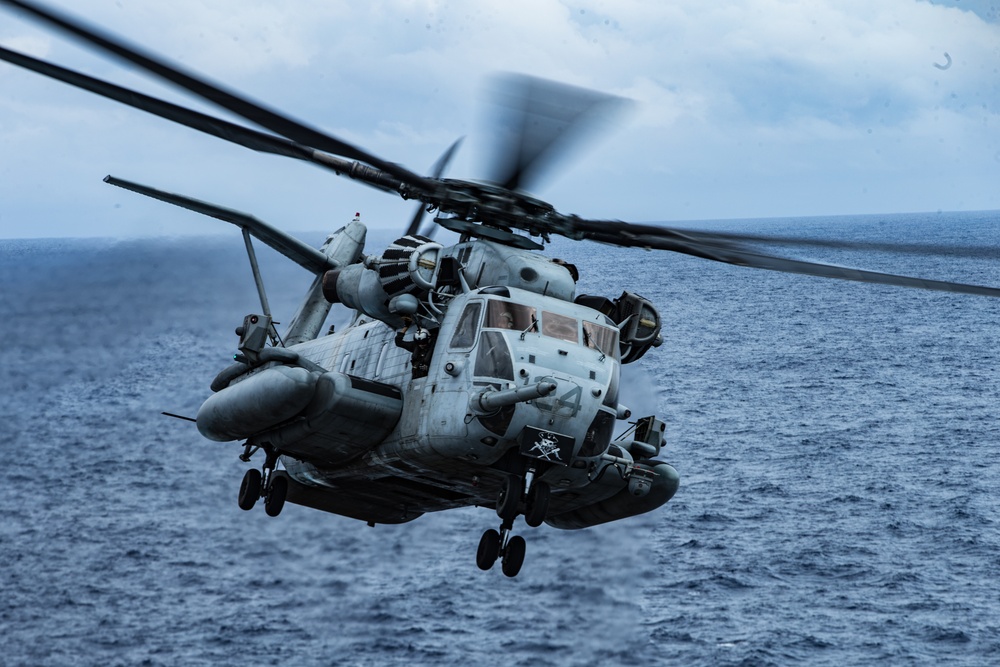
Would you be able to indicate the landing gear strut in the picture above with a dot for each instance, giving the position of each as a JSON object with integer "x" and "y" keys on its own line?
{"x": 509, "y": 498}
{"x": 501, "y": 544}
{"x": 536, "y": 502}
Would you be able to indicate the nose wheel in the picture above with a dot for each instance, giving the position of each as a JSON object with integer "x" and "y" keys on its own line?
{"x": 510, "y": 498}
{"x": 513, "y": 556}
{"x": 489, "y": 549}
{"x": 536, "y": 504}
{"x": 509, "y": 549}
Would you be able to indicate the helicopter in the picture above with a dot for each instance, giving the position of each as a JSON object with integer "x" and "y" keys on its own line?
{"x": 472, "y": 374}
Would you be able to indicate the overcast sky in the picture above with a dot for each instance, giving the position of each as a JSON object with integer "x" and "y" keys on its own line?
{"x": 763, "y": 108}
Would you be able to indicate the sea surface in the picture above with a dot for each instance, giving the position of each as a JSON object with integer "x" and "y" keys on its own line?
{"x": 838, "y": 445}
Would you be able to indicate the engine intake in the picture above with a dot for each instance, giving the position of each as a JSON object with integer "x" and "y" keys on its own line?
{"x": 388, "y": 287}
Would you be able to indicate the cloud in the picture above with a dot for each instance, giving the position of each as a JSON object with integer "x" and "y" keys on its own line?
{"x": 744, "y": 109}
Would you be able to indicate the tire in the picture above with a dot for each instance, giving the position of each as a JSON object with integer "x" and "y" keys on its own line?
{"x": 509, "y": 498}
{"x": 276, "y": 493}
{"x": 489, "y": 549}
{"x": 513, "y": 556}
{"x": 537, "y": 505}
{"x": 249, "y": 489}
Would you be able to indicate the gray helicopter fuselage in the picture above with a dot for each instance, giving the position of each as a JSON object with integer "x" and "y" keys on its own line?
{"x": 480, "y": 347}
{"x": 462, "y": 366}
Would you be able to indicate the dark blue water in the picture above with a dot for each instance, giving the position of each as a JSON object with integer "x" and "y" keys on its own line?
{"x": 838, "y": 443}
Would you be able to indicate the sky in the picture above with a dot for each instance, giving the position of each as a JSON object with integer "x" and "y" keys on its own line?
{"x": 764, "y": 108}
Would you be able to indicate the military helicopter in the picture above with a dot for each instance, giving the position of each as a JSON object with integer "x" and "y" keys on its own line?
{"x": 470, "y": 375}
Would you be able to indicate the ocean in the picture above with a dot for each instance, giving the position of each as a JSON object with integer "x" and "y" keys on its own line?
{"x": 837, "y": 444}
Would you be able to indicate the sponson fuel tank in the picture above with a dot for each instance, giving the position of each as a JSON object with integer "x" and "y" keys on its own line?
{"x": 321, "y": 416}
{"x": 347, "y": 416}
{"x": 268, "y": 397}
{"x": 663, "y": 484}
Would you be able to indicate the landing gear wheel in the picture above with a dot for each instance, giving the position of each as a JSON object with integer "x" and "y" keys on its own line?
{"x": 489, "y": 549}
{"x": 509, "y": 498}
{"x": 250, "y": 489}
{"x": 276, "y": 493}
{"x": 537, "y": 504}
{"x": 513, "y": 556}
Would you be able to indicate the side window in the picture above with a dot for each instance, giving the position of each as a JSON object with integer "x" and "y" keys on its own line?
{"x": 380, "y": 364}
{"x": 468, "y": 323}
{"x": 600, "y": 337}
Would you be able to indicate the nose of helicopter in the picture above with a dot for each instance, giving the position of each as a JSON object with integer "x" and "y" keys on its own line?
{"x": 575, "y": 417}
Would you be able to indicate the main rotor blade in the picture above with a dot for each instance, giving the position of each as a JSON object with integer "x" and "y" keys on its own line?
{"x": 730, "y": 253}
{"x": 241, "y": 106}
{"x": 223, "y": 129}
{"x": 933, "y": 249}
{"x": 436, "y": 170}
{"x": 535, "y": 120}
{"x": 785, "y": 265}
{"x": 237, "y": 134}
{"x": 304, "y": 255}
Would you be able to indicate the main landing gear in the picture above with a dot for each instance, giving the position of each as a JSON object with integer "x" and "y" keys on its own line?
{"x": 494, "y": 544}
{"x": 264, "y": 484}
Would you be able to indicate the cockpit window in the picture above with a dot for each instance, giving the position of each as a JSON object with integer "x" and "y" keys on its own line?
{"x": 465, "y": 331}
{"x": 560, "y": 326}
{"x": 600, "y": 337}
{"x": 493, "y": 358}
{"x": 508, "y": 315}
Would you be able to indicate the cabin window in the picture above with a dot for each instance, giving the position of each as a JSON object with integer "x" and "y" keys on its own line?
{"x": 509, "y": 315}
{"x": 560, "y": 326}
{"x": 600, "y": 337}
{"x": 493, "y": 358}
{"x": 382, "y": 356}
{"x": 468, "y": 323}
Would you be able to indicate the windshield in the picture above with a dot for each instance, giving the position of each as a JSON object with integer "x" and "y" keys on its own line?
{"x": 509, "y": 315}
{"x": 560, "y": 326}
{"x": 517, "y": 317}
{"x": 493, "y": 358}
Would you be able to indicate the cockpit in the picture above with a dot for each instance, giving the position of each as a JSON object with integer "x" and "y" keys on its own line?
{"x": 510, "y": 343}
{"x": 504, "y": 314}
